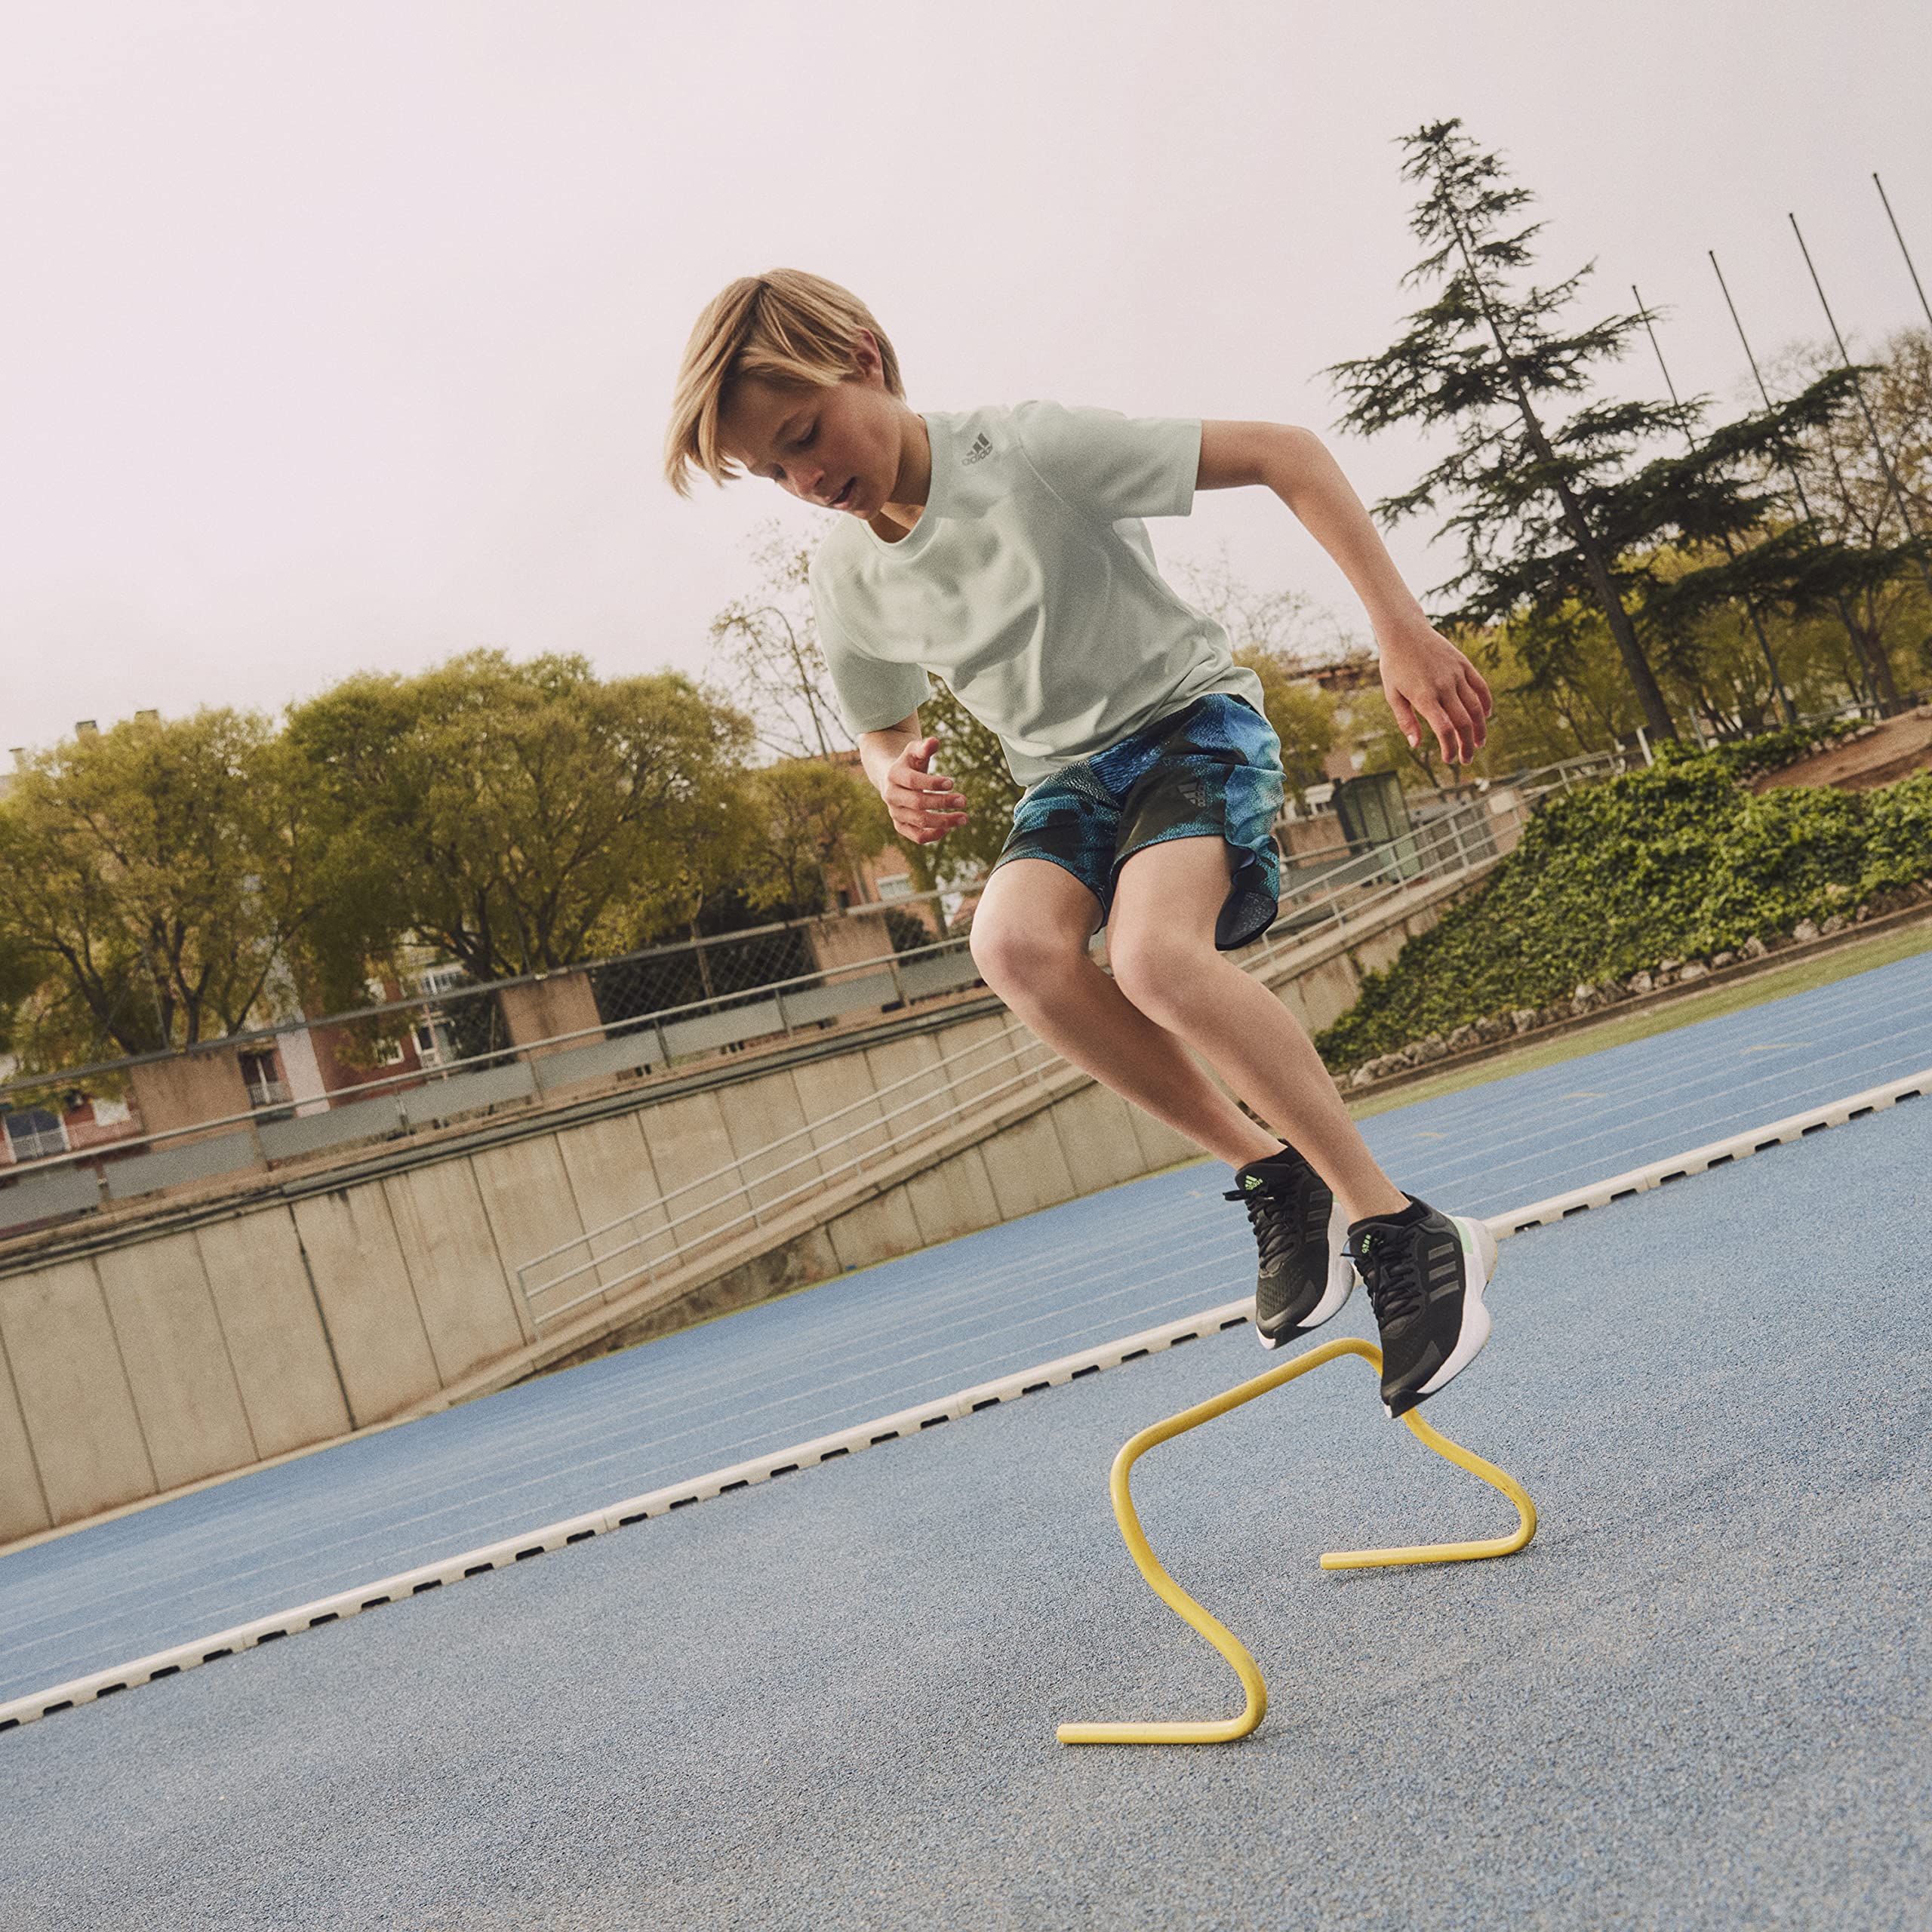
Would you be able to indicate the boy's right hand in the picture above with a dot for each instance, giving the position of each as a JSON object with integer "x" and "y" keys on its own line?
{"x": 923, "y": 805}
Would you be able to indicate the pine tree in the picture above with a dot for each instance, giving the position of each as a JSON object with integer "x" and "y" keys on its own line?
{"x": 1483, "y": 356}
{"x": 1559, "y": 515}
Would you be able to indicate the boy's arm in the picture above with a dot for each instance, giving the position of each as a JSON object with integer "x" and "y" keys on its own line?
{"x": 923, "y": 805}
{"x": 1423, "y": 673}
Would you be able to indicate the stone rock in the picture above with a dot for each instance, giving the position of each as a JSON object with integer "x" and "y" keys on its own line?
{"x": 1551, "y": 1015}
{"x": 1583, "y": 998}
{"x": 1363, "y": 1076}
{"x": 1413, "y": 1054}
{"x": 1836, "y": 923}
{"x": 1863, "y": 913}
{"x": 1495, "y": 1027}
{"x": 1522, "y": 1019}
{"x": 1721, "y": 959}
{"x": 1667, "y": 967}
{"x": 1462, "y": 1038}
{"x": 1693, "y": 971}
{"x": 1754, "y": 948}
{"x": 1803, "y": 931}
{"x": 1435, "y": 1047}
{"x": 1641, "y": 983}
{"x": 1838, "y": 893}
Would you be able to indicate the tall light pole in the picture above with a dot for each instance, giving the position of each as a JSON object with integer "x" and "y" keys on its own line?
{"x": 1845, "y": 617}
{"x": 1864, "y": 409}
{"x": 1785, "y": 704}
{"x": 1903, "y": 249}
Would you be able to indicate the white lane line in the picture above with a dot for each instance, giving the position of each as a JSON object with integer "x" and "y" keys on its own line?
{"x": 911, "y": 1421}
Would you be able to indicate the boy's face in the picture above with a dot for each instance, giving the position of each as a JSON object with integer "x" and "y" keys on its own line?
{"x": 842, "y": 447}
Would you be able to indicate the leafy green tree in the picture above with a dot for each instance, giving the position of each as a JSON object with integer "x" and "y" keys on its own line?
{"x": 813, "y": 818}
{"x": 18, "y": 981}
{"x": 1847, "y": 489}
{"x": 523, "y": 817}
{"x": 154, "y": 879}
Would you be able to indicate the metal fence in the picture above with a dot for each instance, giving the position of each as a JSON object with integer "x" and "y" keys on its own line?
{"x": 467, "y": 1062}
{"x": 654, "y": 1238}
{"x": 468, "y": 1065}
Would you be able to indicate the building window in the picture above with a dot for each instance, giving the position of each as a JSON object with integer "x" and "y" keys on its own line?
{"x": 897, "y": 885}
{"x": 434, "y": 1046}
{"x": 34, "y": 1133}
{"x": 260, "y": 1073}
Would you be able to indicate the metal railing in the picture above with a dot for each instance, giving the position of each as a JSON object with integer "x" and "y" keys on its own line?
{"x": 738, "y": 1185}
{"x": 720, "y": 967}
{"x": 1460, "y": 843}
{"x": 415, "y": 1095}
{"x": 1450, "y": 846}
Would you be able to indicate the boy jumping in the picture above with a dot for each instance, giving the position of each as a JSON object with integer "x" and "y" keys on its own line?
{"x": 1004, "y": 548}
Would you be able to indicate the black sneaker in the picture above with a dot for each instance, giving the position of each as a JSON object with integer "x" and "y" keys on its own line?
{"x": 1425, "y": 1274}
{"x": 1306, "y": 1272}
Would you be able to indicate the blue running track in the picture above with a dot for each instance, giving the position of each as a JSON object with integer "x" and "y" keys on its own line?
{"x": 1700, "y": 1700}
{"x": 878, "y": 1340}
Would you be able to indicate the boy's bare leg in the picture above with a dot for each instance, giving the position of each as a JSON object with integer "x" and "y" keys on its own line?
{"x": 1030, "y": 934}
{"x": 1160, "y": 945}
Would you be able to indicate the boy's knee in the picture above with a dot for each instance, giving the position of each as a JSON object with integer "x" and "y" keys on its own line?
{"x": 1158, "y": 972}
{"x": 1019, "y": 956}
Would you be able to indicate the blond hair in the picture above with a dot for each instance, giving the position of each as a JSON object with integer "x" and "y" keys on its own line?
{"x": 785, "y": 327}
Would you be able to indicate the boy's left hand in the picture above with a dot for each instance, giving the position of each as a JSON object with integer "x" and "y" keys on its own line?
{"x": 1424, "y": 674}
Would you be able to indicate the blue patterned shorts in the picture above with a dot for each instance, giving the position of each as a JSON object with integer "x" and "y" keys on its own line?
{"x": 1213, "y": 770}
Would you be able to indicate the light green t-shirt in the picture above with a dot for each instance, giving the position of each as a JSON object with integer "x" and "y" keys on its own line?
{"x": 1028, "y": 584}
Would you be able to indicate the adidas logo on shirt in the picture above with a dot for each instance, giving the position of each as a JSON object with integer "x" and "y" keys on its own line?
{"x": 982, "y": 447}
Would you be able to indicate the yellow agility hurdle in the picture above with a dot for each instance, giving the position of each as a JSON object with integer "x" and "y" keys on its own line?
{"x": 1225, "y": 1730}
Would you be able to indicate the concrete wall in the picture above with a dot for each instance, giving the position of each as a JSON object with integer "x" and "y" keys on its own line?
{"x": 176, "y": 1355}
{"x": 188, "y": 1088}
{"x": 548, "y": 1008}
{"x": 841, "y": 942}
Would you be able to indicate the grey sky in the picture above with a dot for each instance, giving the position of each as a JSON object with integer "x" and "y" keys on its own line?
{"x": 341, "y": 337}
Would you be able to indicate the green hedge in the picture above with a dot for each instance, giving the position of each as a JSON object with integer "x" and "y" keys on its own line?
{"x": 1675, "y": 862}
{"x": 1770, "y": 751}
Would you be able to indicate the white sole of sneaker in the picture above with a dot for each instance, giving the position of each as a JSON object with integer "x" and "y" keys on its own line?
{"x": 1341, "y": 1283}
{"x": 1479, "y": 1245}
